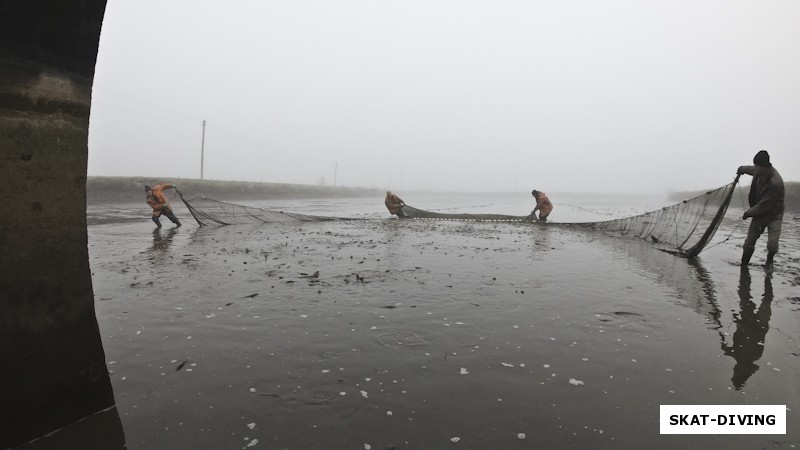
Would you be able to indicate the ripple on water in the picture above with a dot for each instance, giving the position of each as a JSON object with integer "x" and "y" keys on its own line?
{"x": 322, "y": 396}
{"x": 624, "y": 319}
{"x": 397, "y": 338}
{"x": 340, "y": 403}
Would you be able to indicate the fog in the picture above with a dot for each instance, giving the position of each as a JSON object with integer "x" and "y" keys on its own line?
{"x": 561, "y": 96}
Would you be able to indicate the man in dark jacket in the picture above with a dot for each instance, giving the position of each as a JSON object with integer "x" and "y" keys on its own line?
{"x": 766, "y": 207}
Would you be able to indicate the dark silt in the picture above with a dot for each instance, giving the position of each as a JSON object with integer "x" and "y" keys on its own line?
{"x": 378, "y": 334}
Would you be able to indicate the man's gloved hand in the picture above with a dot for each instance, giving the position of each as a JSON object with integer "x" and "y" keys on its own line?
{"x": 174, "y": 186}
{"x": 746, "y": 215}
{"x": 740, "y": 170}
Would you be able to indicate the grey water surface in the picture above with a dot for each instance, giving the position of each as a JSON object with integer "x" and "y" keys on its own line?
{"x": 390, "y": 334}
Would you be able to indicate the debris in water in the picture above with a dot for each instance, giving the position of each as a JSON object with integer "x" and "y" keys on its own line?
{"x": 464, "y": 371}
{"x": 180, "y": 366}
{"x": 575, "y": 382}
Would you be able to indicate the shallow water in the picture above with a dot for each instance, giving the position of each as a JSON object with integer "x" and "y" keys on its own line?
{"x": 378, "y": 334}
{"x": 571, "y": 207}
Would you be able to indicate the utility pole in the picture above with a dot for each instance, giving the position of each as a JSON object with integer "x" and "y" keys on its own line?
{"x": 202, "y": 149}
{"x": 335, "y": 170}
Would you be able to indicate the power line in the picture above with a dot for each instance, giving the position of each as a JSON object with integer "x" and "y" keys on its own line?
{"x": 158, "y": 117}
{"x": 189, "y": 117}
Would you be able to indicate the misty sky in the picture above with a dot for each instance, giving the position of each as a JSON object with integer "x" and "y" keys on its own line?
{"x": 561, "y": 96}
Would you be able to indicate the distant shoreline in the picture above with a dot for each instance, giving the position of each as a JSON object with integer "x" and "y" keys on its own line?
{"x": 131, "y": 189}
{"x": 792, "y": 200}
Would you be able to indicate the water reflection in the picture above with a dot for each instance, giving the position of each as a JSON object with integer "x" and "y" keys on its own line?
{"x": 693, "y": 285}
{"x": 707, "y": 302}
{"x": 540, "y": 239}
{"x": 752, "y": 325}
{"x": 695, "y": 289}
{"x": 162, "y": 239}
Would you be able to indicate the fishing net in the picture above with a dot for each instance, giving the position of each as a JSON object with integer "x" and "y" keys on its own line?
{"x": 208, "y": 211}
{"x": 409, "y": 212}
{"x": 684, "y": 228}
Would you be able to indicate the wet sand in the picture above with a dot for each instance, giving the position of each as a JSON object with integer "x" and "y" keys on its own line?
{"x": 382, "y": 334}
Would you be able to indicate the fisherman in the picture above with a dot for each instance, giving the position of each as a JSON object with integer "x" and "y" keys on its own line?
{"x": 394, "y": 204}
{"x": 158, "y": 201}
{"x": 766, "y": 208}
{"x": 543, "y": 205}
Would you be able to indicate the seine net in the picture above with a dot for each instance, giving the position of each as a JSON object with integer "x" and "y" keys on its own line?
{"x": 409, "y": 212}
{"x": 208, "y": 211}
{"x": 684, "y": 228}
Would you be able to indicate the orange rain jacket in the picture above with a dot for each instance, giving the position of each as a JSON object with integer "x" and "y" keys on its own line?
{"x": 157, "y": 200}
{"x": 543, "y": 205}
{"x": 393, "y": 203}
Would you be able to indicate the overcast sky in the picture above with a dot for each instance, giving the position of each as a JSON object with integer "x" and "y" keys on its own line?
{"x": 561, "y": 96}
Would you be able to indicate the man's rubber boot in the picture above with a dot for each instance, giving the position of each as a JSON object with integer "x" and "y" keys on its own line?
{"x": 158, "y": 222}
{"x": 746, "y": 255}
{"x": 768, "y": 268}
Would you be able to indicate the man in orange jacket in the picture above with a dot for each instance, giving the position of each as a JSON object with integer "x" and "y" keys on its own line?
{"x": 158, "y": 201}
{"x": 394, "y": 204}
{"x": 543, "y": 205}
